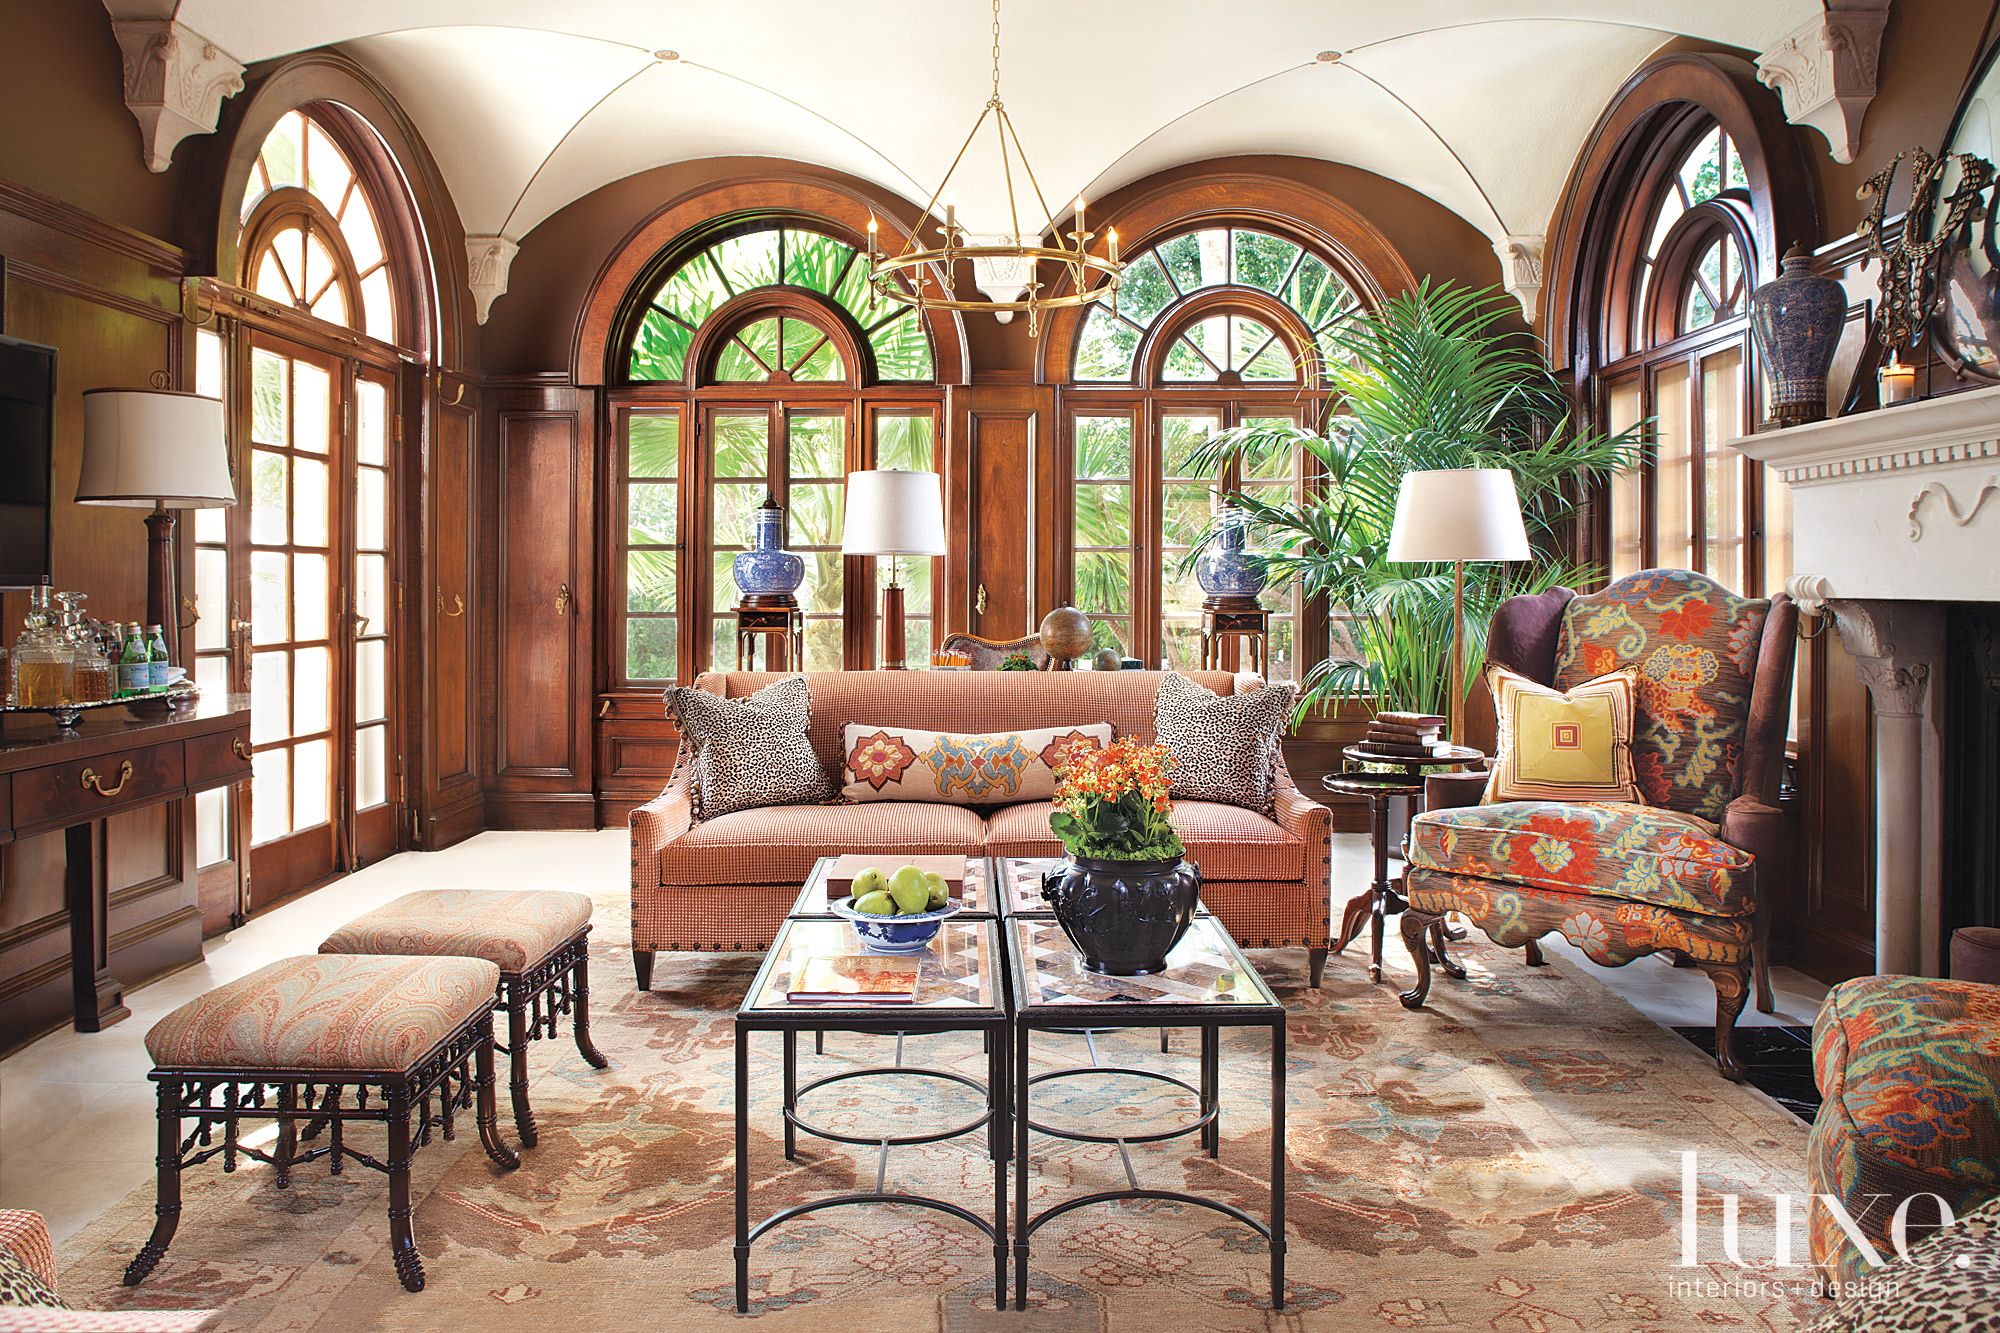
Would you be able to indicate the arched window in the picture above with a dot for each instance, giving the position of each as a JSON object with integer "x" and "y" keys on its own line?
{"x": 1681, "y": 355}
{"x": 313, "y": 554}
{"x": 315, "y": 244}
{"x": 1214, "y": 327}
{"x": 758, "y": 361}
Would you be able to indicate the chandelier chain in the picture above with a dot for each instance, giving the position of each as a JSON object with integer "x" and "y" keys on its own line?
{"x": 995, "y": 101}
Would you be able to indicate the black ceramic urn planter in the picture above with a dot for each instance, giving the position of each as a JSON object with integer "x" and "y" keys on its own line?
{"x": 1124, "y": 917}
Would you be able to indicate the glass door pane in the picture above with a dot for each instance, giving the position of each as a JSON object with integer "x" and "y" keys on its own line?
{"x": 372, "y": 617}
{"x": 1272, "y": 480}
{"x": 815, "y": 499}
{"x": 651, "y": 642}
{"x": 909, "y": 441}
{"x": 1628, "y": 550}
{"x": 1673, "y": 470}
{"x": 1722, "y": 473}
{"x": 1187, "y": 502}
{"x": 292, "y": 522}
{"x": 740, "y": 450}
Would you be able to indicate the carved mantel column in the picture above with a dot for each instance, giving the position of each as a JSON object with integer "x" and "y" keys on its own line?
{"x": 1898, "y": 647}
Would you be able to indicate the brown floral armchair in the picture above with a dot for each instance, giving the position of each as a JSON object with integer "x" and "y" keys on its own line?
{"x": 1679, "y": 874}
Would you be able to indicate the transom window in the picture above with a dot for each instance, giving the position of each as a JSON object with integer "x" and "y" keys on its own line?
{"x": 774, "y": 257}
{"x": 315, "y": 245}
{"x": 1713, "y": 288}
{"x": 1221, "y": 347}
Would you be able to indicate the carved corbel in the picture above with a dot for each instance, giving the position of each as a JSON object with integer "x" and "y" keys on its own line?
{"x": 489, "y": 258}
{"x": 1894, "y": 645}
{"x": 175, "y": 80}
{"x": 1825, "y": 71}
{"x": 1521, "y": 270}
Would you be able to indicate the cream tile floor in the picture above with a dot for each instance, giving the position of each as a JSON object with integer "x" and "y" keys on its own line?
{"x": 76, "y": 1130}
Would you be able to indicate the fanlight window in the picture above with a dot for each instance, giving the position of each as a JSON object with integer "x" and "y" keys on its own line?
{"x": 1231, "y": 347}
{"x": 322, "y": 252}
{"x": 772, "y": 348}
{"x": 1716, "y": 288}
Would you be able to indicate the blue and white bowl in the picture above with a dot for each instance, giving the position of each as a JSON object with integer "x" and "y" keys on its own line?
{"x": 894, "y": 934}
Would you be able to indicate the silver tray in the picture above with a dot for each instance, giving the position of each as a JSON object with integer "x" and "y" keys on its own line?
{"x": 157, "y": 704}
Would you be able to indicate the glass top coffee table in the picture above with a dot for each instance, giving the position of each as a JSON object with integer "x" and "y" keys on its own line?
{"x": 1208, "y": 984}
{"x": 961, "y": 987}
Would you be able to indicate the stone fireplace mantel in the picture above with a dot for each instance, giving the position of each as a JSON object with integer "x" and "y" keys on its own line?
{"x": 1895, "y": 512}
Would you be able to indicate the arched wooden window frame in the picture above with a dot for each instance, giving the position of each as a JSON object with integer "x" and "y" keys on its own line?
{"x": 1602, "y": 226}
{"x": 280, "y": 210}
{"x": 1359, "y": 254}
{"x": 863, "y": 400}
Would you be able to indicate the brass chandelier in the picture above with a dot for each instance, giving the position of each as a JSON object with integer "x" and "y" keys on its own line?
{"x": 1013, "y": 259}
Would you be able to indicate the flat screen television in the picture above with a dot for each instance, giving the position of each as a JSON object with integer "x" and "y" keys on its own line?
{"x": 27, "y": 448}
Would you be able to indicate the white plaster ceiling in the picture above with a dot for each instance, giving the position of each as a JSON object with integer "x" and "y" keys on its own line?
{"x": 530, "y": 104}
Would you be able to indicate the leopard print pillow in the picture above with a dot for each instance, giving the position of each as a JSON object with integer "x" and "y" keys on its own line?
{"x": 752, "y": 751}
{"x": 19, "y": 1284}
{"x": 1225, "y": 746}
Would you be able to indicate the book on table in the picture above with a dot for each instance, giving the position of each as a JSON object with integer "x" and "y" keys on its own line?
{"x": 855, "y": 978}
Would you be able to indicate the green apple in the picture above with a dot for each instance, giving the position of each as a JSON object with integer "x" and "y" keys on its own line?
{"x": 875, "y": 903}
{"x": 869, "y": 881}
{"x": 907, "y": 887}
{"x": 940, "y": 891}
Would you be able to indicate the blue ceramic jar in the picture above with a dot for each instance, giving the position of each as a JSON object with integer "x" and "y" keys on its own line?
{"x": 767, "y": 569}
{"x": 1223, "y": 569}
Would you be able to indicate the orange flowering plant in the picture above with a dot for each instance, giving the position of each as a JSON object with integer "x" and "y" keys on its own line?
{"x": 1112, "y": 804}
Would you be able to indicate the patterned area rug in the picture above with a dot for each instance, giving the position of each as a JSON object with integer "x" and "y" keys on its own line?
{"x": 1508, "y": 1159}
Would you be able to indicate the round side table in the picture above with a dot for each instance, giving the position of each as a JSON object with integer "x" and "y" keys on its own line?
{"x": 1383, "y": 899}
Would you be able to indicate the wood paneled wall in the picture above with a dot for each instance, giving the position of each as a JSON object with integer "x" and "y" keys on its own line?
{"x": 108, "y": 300}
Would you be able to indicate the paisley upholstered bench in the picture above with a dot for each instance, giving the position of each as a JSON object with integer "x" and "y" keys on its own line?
{"x": 538, "y": 939}
{"x": 321, "y": 1043}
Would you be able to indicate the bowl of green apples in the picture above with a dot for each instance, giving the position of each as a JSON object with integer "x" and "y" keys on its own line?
{"x": 899, "y": 911}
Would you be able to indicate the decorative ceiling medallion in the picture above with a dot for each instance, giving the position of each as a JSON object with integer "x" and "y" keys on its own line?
{"x": 1008, "y": 267}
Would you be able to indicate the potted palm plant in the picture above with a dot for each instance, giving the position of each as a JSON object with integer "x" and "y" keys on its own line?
{"x": 1433, "y": 378}
{"x": 1126, "y": 892}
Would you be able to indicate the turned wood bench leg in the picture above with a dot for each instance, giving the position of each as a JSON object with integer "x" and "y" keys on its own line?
{"x": 580, "y": 1019}
{"x": 517, "y": 1063}
{"x": 167, "y": 1204}
{"x": 402, "y": 1237}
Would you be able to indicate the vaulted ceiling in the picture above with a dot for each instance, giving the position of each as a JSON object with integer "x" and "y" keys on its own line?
{"x": 530, "y": 104}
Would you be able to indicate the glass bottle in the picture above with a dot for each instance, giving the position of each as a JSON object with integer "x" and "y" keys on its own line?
{"x": 135, "y": 667}
{"x": 159, "y": 666}
{"x": 96, "y": 678}
{"x": 42, "y": 664}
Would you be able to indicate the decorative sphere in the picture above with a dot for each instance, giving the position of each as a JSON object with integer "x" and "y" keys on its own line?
{"x": 1107, "y": 659}
{"x": 1066, "y": 633}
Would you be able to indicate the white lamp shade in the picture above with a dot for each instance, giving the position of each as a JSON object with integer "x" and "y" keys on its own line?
{"x": 143, "y": 447}
{"x": 1463, "y": 513}
{"x": 893, "y": 513}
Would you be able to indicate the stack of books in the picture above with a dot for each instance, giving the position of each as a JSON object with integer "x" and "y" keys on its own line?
{"x": 855, "y": 978}
{"x": 1403, "y": 736}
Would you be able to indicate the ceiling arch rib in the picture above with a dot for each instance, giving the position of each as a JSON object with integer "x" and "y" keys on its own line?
{"x": 529, "y": 104}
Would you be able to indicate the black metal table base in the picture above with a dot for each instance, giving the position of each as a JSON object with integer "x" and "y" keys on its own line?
{"x": 1207, "y": 1123}
{"x": 994, "y": 1120}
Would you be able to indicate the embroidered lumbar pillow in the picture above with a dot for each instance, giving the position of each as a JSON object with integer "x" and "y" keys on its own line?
{"x": 903, "y": 764}
{"x": 1224, "y": 746}
{"x": 1557, "y": 746}
{"x": 752, "y": 751}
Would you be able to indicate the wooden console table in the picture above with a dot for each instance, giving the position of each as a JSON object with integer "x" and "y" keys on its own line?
{"x": 111, "y": 763}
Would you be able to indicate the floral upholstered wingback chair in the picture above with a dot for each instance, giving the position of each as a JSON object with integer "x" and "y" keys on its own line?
{"x": 1677, "y": 874}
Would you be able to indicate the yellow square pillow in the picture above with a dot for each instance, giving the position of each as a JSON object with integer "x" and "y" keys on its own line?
{"x": 1564, "y": 747}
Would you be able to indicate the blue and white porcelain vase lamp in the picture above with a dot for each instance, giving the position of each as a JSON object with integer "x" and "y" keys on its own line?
{"x": 1798, "y": 316}
{"x": 1228, "y": 569}
{"x": 767, "y": 572}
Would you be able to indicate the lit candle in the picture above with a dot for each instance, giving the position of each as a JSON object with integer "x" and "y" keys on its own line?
{"x": 1112, "y": 236}
{"x": 1079, "y": 220}
{"x": 1896, "y": 382}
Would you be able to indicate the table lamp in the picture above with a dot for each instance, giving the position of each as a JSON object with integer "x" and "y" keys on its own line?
{"x": 1458, "y": 514}
{"x": 160, "y": 450}
{"x": 893, "y": 513}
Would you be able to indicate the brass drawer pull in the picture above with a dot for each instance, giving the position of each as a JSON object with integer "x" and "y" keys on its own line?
{"x": 241, "y": 750}
{"x": 96, "y": 784}
{"x": 457, "y": 606}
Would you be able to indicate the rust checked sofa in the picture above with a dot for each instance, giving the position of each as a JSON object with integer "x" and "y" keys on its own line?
{"x": 725, "y": 883}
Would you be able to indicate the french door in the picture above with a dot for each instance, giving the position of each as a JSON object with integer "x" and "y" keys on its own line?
{"x": 315, "y": 545}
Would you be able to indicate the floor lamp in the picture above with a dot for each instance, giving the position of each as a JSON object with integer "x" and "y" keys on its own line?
{"x": 1458, "y": 514}
{"x": 893, "y": 513}
{"x": 160, "y": 450}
